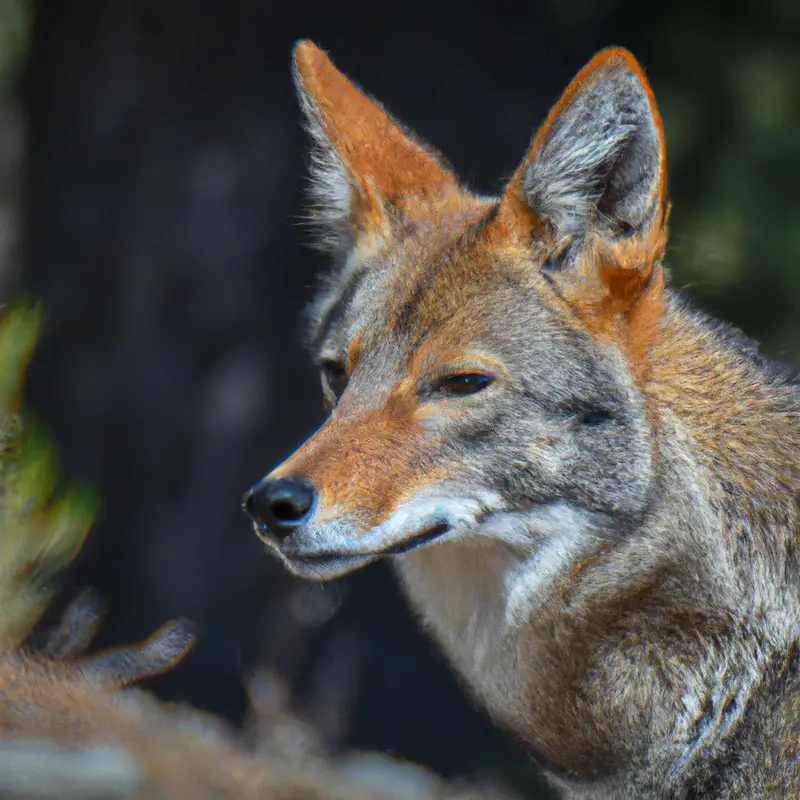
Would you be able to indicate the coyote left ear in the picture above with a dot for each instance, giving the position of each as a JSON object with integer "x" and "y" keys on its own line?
{"x": 592, "y": 192}
{"x": 599, "y": 161}
{"x": 365, "y": 166}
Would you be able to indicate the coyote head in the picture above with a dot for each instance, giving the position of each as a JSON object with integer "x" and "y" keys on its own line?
{"x": 482, "y": 358}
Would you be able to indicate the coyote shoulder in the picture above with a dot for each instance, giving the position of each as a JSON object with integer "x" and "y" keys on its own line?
{"x": 589, "y": 490}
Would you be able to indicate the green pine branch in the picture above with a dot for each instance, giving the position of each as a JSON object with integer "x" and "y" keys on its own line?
{"x": 41, "y": 527}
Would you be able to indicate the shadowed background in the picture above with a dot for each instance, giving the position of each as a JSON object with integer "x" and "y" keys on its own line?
{"x": 151, "y": 177}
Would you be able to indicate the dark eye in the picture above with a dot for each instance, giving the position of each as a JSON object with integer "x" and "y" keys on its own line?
{"x": 462, "y": 384}
{"x": 334, "y": 378}
{"x": 595, "y": 416}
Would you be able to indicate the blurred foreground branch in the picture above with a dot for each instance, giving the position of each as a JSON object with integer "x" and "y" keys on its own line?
{"x": 67, "y": 729}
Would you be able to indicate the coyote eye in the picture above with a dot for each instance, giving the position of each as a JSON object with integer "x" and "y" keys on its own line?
{"x": 462, "y": 384}
{"x": 595, "y": 416}
{"x": 334, "y": 378}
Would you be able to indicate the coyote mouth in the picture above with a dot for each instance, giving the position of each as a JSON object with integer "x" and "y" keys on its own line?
{"x": 417, "y": 540}
{"x": 412, "y": 543}
{"x": 322, "y": 565}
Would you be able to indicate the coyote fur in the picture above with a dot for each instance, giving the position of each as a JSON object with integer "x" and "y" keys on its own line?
{"x": 588, "y": 489}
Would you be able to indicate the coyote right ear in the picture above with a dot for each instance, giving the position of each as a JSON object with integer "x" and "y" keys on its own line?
{"x": 364, "y": 166}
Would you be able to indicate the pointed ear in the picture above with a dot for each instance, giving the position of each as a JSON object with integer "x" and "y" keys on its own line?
{"x": 592, "y": 194}
{"x": 599, "y": 161}
{"x": 364, "y": 166}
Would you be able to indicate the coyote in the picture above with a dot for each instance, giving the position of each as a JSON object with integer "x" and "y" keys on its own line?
{"x": 589, "y": 489}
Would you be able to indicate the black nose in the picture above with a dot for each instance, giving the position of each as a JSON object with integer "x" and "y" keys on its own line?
{"x": 279, "y": 505}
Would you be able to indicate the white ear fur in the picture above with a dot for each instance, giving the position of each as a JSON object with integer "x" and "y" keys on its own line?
{"x": 599, "y": 159}
{"x": 330, "y": 189}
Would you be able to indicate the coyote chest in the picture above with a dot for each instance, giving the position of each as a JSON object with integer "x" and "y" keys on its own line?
{"x": 463, "y": 594}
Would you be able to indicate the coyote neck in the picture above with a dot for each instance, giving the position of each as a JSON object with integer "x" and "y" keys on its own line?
{"x": 657, "y": 649}
{"x": 741, "y": 414}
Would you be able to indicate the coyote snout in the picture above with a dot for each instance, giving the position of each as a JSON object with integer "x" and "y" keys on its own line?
{"x": 589, "y": 490}
{"x": 320, "y": 529}
{"x": 283, "y": 511}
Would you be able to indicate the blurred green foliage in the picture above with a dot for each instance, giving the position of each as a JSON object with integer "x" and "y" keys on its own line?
{"x": 14, "y": 21}
{"x": 727, "y": 79}
{"x": 41, "y": 529}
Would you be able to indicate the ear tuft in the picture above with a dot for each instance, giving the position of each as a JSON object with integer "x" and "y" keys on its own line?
{"x": 598, "y": 162}
{"x": 330, "y": 189}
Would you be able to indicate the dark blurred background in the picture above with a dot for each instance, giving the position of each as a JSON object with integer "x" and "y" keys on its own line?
{"x": 151, "y": 177}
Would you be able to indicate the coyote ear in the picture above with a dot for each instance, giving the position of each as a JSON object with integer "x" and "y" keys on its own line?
{"x": 598, "y": 163}
{"x": 364, "y": 166}
{"x": 592, "y": 192}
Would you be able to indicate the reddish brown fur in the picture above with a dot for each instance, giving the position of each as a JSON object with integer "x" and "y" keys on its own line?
{"x": 622, "y": 296}
{"x": 354, "y": 352}
{"x": 363, "y": 477}
{"x": 179, "y": 753}
{"x": 386, "y": 164}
